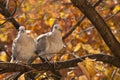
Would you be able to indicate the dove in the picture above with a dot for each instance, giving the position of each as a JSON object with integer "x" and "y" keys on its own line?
{"x": 50, "y": 43}
{"x": 23, "y": 50}
{"x": 23, "y": 47}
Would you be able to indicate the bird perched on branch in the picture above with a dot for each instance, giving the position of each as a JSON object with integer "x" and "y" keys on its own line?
{"x": 23, "y": 50}
{"x": 23, "y": 47}
{"x": 50, "y": 43}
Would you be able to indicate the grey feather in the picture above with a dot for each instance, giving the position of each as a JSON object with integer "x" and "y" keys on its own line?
{"x": 50, "y": 43}
{"x": 23, "y": 47}
{"x": 41, "y": 43}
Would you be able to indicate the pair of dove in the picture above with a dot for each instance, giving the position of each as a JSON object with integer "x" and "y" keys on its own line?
{"x": 24, "y": 47}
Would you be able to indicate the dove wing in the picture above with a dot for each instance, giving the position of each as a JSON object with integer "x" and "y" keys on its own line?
{"x": 42, "y": 42}
{"x": 15, "y": 49}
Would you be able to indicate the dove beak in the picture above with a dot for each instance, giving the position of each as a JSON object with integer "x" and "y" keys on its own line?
{"x": 60, "y": 30}
{"x": 22, "y": 31}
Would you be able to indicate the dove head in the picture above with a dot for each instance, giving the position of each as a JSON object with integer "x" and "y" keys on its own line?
{"x": 57, "y": 27}
{"x": 22, "y": 29}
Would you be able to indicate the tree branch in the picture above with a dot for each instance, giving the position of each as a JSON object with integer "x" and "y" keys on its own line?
{"x": 79, "y": 22}
{"x": 14, "y": 67}
{"x": 8, "y": 15}
{"x": 107, "y": 19}
{"x": 100, "y": 25}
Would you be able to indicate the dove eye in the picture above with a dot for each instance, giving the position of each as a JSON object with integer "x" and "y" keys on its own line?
{"x": 55, "y": 27}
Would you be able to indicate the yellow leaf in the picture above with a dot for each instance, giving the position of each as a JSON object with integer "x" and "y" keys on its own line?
{"x": 83, "y": 77}
{"x": 99, "y": 66}
{"x": 71, "y": 74}
{"x": 3, "y": 56}
{"x": 84, "y": 70}
{"x": 22, "y": 77}
{"x": 3, "y": 33}
{"x": 100, "y": 76}
{"x": 87, "y": 67}
{"x": 1, "y": 77}
{"x": 89, "y": 64}
{"x": 2, "y": 21}
{"x": 65, "y": 57}
{"x": 116, "y": 9}
{"x": 55, "y": 57}
{"x": 3, "y": 37}
{"x": 77, "y": 47}
{"x": 108, "y": 72}
{"x": 90, "y": 49}
{"x": 70, "y": 46}
{"x": 21, "y": 18}
{"x": 63, "y": 15}
{"x": 51, "y": 21}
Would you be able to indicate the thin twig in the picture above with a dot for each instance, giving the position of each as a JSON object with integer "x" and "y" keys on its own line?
{"x": 113, "y": 74}
{"x": 15, "y": 8}
{"x": 7, "y": 14}
{"x": 79, "y": 21}
{"x": 9, "y": 57}
{"x": 7, "y": 19}
{"x": 7, "y": 4}
{"x": 112, "y": 16}
{"x": 92, "y": 27}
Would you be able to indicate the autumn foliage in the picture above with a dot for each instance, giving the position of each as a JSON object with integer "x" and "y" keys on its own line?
{"x": 38, "y": 16}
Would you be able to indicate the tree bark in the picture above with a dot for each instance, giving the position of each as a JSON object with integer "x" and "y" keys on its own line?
{"x": 103, "y": 29}
{"x": 14, "y": 67}
{"x": 8, "y": 15}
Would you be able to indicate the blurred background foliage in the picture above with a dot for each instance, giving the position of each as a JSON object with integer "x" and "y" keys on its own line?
{"x": 38, "y": 17}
